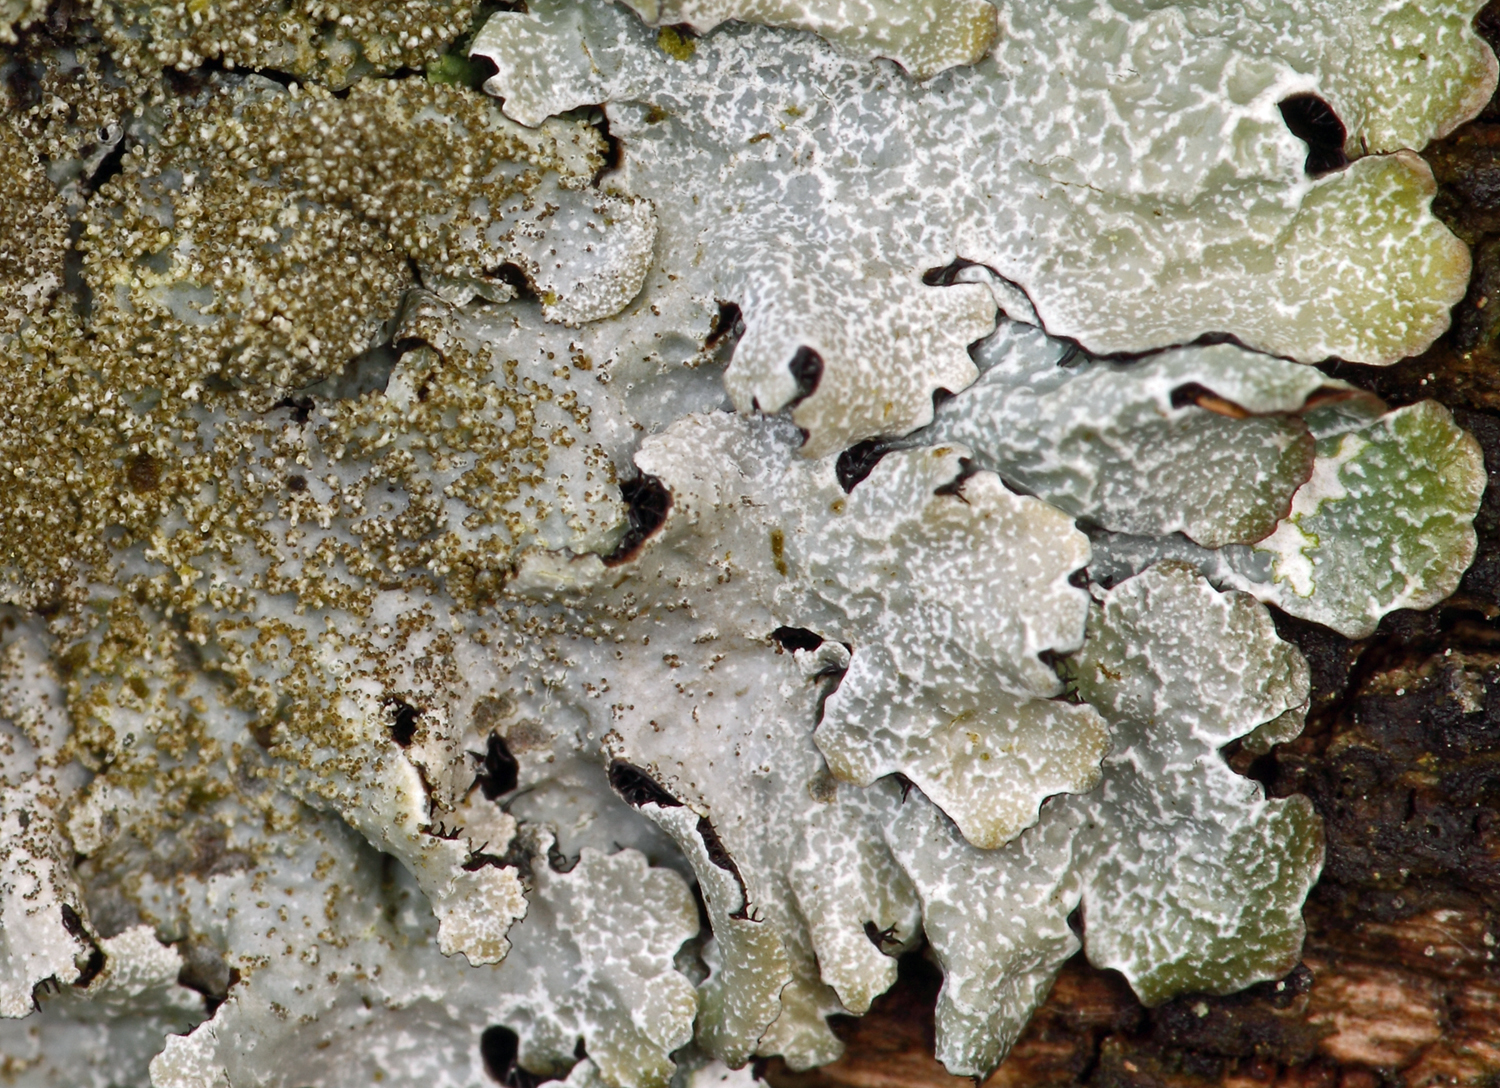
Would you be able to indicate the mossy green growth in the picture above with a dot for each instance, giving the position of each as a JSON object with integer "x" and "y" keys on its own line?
{"x": 454, "y": 68}
{"x": 674, "y": 43}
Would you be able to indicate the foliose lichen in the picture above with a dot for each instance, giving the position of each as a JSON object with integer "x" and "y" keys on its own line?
{"x": 442, "y": 532}
{"x": 334, "y": 43}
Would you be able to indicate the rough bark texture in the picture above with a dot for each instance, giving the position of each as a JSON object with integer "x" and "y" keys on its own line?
{"x": 1399, "y": 984}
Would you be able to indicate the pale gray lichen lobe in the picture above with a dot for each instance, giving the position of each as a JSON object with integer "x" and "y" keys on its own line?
{"x": 923, "y": 39}
{"x": 1130, "y": 171}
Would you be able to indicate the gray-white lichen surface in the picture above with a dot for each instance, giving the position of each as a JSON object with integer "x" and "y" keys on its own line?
{"x": 442, "y": 532}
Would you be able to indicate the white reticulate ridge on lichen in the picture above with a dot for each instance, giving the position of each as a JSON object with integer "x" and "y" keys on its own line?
{"x": 1130, "y": 171}
{"x": 1164, "y": 649}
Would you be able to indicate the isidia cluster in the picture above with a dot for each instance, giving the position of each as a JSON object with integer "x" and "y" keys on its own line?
{"x": 557, "y": 542}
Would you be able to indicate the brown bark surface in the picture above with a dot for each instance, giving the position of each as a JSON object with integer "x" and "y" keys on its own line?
{"x": 1399, "y": 983}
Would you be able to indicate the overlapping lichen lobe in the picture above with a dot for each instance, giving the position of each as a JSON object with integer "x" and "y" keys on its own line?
{"x": 1398, "y": 757}
{"x": 1409, "y": 107}
{"x": 1460, "y": 369}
